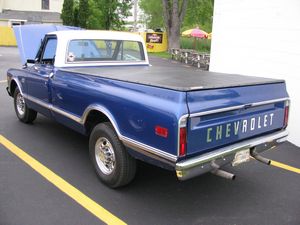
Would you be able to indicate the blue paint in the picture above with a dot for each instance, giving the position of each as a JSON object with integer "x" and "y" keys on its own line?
{"x": 135, "y": 108}
{"x": 201, "y": 101}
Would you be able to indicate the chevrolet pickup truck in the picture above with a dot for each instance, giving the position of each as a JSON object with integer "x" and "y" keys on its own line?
{"x": 100, "y": 83}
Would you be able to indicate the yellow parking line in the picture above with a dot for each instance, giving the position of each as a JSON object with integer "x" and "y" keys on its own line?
{"x": 86, "y": 202}
{"x": 2, "y": 81}
{"x": 285, "y": 167}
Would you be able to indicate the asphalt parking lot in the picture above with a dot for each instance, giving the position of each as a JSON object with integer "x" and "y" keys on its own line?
{"x": 260, "y": 195}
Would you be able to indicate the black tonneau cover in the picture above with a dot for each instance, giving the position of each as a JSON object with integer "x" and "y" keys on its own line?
{"x": 175, "y": 78}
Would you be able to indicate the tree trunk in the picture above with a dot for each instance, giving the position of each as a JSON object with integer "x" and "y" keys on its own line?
{"x": 173, "y": 17}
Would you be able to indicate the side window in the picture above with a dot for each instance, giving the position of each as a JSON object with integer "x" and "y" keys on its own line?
{"x": 49, "y": 51}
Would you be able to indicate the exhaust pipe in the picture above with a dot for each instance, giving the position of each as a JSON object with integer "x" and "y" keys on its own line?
{"x": 259, "y": 158}
{"x": 224, "y": 174}
{"x": 221, "y": 173}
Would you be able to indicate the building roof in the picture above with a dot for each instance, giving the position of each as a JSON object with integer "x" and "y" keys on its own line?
{"x": 31, "y": 16}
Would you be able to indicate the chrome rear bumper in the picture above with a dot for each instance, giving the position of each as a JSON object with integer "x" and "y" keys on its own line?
{"x": 189, "y": 168}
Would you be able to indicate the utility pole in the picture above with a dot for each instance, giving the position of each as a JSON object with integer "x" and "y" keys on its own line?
{"x": 135, "y": 15}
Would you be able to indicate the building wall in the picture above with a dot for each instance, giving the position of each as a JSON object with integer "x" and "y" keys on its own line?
{"x": 260, "y": 38}
{"x": 1, "y": 5}
{"x": 31, "y": 5}
{"x": 3, "y": 23}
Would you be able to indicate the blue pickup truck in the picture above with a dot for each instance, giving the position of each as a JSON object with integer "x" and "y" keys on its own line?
{"x": 100, "y": 83}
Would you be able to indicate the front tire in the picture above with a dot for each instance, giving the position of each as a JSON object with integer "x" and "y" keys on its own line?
{"x": 113, "y": 165}
{"x": 24, "y": 114}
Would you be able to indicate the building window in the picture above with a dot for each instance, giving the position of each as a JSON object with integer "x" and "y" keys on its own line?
{"x": 45, "y": 4}
{"x": 17, "y": 22}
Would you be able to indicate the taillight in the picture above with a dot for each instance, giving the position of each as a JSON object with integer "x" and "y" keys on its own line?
{"x": 286, "y": 115}
{"x": 161, "y": 131}
{"x": 182, "y": 141}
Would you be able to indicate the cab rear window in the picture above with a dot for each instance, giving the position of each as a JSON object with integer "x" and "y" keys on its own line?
{"x": 95, "y": 50}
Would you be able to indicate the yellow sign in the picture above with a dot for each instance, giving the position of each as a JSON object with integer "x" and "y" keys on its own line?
{"x": 7, "y": 37}
{"x": 156, "y": 41}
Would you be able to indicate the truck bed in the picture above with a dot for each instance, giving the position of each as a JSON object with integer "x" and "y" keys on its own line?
{"x": 175, "y": 78}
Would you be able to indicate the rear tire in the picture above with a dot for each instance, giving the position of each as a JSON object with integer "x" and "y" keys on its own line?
{"x": 24, "y": 114}
{"x": 113, "y": 165}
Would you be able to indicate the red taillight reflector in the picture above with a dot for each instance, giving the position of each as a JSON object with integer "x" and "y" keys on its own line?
{"x": 161, "y": 131}
{"x": 182, "y": 141}
{"x": 286, "y": 116}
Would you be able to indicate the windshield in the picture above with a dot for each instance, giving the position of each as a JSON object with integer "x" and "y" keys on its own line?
{"x": 93, "y": 50}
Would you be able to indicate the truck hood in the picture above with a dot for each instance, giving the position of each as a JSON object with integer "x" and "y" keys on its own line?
{"x": 29, "y": 38}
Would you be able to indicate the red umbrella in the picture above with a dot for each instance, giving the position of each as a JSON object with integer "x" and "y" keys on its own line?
{"x": 198, "y": 33}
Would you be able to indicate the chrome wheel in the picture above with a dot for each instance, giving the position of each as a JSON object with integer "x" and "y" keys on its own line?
{"x": 20, "y": 102}
{"x": 105, "y": 155}
{"x": 113, "y": 164}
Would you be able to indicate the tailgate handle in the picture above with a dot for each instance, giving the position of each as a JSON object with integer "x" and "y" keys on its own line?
{"x": 247, "y": 106}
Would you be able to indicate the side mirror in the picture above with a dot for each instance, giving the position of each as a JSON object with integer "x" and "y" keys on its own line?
{"x": 32, "y": 61}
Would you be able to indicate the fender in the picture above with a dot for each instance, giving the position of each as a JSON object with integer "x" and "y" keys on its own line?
{"x": 128, "y": 142}
{"x": 16, "y": 80}
{"x": 103, "y": 110}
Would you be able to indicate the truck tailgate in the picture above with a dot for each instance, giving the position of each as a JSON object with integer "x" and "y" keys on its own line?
{"x": 225, "y": 116}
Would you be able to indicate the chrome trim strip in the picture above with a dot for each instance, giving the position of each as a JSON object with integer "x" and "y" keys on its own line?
{"x": 18, "y": 84}
{"x": 66, "y": 114}
{"x": 237, "y": 107}
{"x": 103, "y": 110}
{"x": 138, "y": 146}
{"x": 37, "y": 101}
{"x": 181, "y": 123}
{"x": 52, "y": 108}
{"x": 222, "y": 152}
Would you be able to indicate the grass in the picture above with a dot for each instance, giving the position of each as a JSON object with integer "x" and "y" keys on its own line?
{"x": 200, "y": 45}
{"x": 165, "y": 55}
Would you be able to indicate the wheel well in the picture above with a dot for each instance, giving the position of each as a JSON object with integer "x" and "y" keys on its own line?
{"x": 12, "y": 88}
{"x": 94, "y": 117}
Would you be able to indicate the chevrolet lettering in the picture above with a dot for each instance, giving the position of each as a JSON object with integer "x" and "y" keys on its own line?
{"x": 241, "y": 126}
{"x": 101, "y": 84}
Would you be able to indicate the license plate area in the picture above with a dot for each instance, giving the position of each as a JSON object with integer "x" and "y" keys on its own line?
{"x": 241, "y": 157}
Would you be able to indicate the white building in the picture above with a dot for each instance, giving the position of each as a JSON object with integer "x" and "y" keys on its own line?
{"x": 260, "y": 38}
{"x": 15, "y": 12}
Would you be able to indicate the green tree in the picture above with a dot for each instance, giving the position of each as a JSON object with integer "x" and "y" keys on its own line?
{"x": 114, "y": 12}
{"x": 83, "y": 13}
{"x": 95, "y": 18}
{"x": 75, "y": 14}
{"x": 96, "y": 14}
{"x": 199, "y": 13}
{"x": 153, "y": 15}
{"x": 174, "y": 12}
{"x": 67, "y": 13}
{"x": 108, "y": 14}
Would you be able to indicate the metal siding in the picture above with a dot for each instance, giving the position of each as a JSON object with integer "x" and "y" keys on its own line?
{"x": 260, "y": 38}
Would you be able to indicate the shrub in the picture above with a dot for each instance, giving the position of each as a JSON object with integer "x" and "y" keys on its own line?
{"x": 200, "y": 45}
